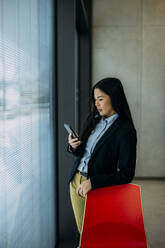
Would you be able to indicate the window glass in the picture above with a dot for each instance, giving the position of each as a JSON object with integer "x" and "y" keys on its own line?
{"x": 26, "y": 145}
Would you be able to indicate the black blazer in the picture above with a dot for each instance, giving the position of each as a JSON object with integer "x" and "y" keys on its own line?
{"x": 113, "y": 160}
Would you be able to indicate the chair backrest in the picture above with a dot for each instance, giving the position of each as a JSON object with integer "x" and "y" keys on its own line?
{"x": 113, "y": 218}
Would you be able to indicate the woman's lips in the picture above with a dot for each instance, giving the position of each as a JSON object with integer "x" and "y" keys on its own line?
{"x": 99, "y": 110}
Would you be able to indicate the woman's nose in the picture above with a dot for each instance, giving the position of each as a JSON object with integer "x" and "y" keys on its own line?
{"x": 97, "y": 104}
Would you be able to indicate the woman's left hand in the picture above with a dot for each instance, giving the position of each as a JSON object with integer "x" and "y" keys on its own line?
{"x": 84, "y": 187}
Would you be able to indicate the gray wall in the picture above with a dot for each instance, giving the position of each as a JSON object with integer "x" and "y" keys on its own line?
{"x": 129, "y": 43}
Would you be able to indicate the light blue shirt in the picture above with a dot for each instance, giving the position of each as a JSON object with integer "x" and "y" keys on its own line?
{"x": 94, "y": 137}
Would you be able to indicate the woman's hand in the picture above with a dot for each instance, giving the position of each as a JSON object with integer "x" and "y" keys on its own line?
{"x": 84, "y": 187}
{"x": 73, "y": 142}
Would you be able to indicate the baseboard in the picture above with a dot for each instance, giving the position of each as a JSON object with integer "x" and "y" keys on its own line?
{"x": 149, "y": 178}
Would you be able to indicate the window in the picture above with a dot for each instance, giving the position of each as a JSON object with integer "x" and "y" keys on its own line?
{"x": 26, "y": 158}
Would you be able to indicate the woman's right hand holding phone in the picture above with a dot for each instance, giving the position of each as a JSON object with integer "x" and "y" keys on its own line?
{"x": 74, "y": 142}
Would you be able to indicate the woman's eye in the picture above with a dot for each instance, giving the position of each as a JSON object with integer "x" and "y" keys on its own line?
{"x": 98, "y": 100}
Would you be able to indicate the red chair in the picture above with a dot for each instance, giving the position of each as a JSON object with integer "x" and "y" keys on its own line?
{"x": 113, "y": 218}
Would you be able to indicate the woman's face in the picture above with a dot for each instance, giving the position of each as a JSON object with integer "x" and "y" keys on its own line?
{"x": 103, "y": 103}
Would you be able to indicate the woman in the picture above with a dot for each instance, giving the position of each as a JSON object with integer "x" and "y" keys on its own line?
{"x": 106, "y": 149}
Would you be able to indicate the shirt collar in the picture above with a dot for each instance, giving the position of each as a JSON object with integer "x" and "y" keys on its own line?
{"x": 111, "y": 118}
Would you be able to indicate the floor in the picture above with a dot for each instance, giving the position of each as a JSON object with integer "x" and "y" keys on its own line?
{"x": 153, "y": 204}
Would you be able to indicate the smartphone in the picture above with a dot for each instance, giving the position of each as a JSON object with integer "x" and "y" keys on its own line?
{"x": 70, "y": 130}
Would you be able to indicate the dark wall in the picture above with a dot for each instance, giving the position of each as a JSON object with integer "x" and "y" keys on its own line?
{"x": 66, "y": 108}
{"x": 85, "y": 67}
{"x": 68, "y": 75}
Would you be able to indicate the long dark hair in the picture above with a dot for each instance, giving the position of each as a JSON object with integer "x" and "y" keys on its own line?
{"x": 113, "y": 88}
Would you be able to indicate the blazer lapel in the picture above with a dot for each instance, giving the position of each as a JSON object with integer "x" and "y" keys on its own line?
{"x": 106, "y": 135}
